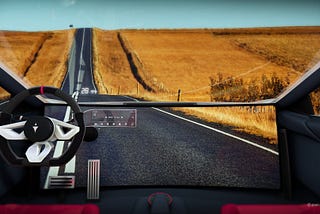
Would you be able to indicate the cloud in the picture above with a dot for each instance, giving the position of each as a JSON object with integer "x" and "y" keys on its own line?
{"x": 68, "y": 3}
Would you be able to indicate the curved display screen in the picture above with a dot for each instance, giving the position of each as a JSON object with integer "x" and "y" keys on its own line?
{"x": 111, "y": 117}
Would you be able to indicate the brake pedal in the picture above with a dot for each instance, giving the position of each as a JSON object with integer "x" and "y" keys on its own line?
{"x": 61, "y": 182}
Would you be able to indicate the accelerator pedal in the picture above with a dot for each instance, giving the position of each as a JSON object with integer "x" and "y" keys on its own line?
{"x": 93, "y": 185}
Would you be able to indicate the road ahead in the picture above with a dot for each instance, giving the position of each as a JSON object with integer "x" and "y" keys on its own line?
{"x": 164, "y": 149}
{"x": 79, "y": 77}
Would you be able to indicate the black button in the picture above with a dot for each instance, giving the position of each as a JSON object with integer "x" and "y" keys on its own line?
{"x": 38, "y": 129}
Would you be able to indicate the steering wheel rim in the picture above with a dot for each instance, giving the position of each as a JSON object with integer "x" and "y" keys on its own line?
{"x": 12, "y": 158}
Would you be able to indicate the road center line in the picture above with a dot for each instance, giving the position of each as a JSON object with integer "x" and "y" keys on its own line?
{"x": 54, "y": 170}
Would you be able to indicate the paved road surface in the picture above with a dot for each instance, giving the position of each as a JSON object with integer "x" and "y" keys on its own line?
{"x": 80, "y": 71}
{"x": 164, "y": 149}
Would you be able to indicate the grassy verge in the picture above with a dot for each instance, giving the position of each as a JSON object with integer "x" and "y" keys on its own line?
{"x": 258, "y": 120}
{"x": 111, "y": 68}
{"x": 18, "y": 49}
{"x": 40, "y": 58}
{"x": 50, "y": 65}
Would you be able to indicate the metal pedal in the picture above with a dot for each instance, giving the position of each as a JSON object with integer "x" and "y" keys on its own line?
{"x": 61, "y": 182}
{"x": 93, "y": 185}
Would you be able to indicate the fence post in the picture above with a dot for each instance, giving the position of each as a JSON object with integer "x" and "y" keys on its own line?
{"x": 179, "y": 95}
{"x": 119, "y": 89}
{"x": 137, "y": 89}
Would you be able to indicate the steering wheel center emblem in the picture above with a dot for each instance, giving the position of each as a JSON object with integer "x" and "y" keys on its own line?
{"x": 38, "y": 129}
{"x": 35, "y": 127}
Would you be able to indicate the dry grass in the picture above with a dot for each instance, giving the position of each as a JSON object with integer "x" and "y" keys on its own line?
{"x": 297, "y": 51}
{"x": 185, "y": 59}
{"x": 18, "y": 49}
{"x": 38, "y": 57}
{"x": 169, "y": 60}
{"x": 111, "y": 67}
{"x": 4, "y": 94}
{"x": 260, "y": 123}
{"x": 50, "y": 65}
{"x": 175, "y": 60}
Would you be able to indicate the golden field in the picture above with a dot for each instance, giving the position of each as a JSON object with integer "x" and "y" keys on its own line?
{"x": 51, "y": 63}
{"x": 40, "y": 58}
{"x": 169, "y": 60}
{"x": 296, "y": 51}
{"x": 155, "y": 64}
{"x": 111, "y": 67}
{"x": 18, "y": 49}
{"x": 186, "y": 61}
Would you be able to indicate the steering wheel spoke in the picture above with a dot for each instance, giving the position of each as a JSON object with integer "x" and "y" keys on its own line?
{"x": 38, "y": 151}
{"x": 9, "y": 131}
{"x": 63, "y": 130}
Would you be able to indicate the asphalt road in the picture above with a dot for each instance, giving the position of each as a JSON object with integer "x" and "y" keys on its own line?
{"x": 163, "y": 149}
{"x": 80, "y": 70}
{"x": 167, "y": 150}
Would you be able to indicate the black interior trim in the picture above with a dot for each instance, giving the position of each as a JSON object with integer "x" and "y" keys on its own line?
{"x": 297, "y": 123}
{"x": 305, "y": 85}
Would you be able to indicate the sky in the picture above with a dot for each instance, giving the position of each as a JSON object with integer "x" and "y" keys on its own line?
{"x": 35, "y": 15}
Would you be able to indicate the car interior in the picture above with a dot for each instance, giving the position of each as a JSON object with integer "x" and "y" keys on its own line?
{"x": 80, "y": 144}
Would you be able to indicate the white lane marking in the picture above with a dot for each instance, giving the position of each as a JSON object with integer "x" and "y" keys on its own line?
{"x": 82, "y": 44}
{"x": 82, "y": 63}
{"x": 80, "y": 75}
{"x": 91, "y": 65}
{"x": 213, "y": 129}
{"x": 54, "y": 170}
{"x": 219, "y": 131}
{"x": 70, "y": 166}
{"x": 71, "y": 68}
{"x": 76, "y": 95}
{"x": 80, "y": 79}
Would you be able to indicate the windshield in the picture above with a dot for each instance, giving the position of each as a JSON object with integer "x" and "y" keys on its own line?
{"x": 168, "y": 51}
